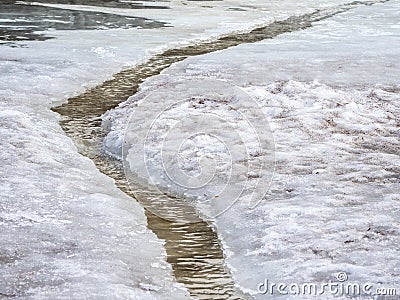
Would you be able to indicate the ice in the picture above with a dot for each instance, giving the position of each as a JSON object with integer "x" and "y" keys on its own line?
{"x": 331, "y": 95}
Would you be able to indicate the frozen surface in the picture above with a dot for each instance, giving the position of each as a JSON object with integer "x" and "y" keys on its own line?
{"x": 332, "y": 97}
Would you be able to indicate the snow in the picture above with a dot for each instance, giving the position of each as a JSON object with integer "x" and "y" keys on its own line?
{"x": 331, "y": 94}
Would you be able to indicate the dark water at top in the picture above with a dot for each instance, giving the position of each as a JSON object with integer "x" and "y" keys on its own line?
{"x": 21, "y": 22}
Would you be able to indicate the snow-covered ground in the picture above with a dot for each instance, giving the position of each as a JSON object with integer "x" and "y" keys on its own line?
{"x": 332, "y": 97}
{"x": 66, "y": 230}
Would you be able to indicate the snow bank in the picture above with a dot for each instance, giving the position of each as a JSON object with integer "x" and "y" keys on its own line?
{"x": 67, "y": 232}
{"x": 332, "y": 97}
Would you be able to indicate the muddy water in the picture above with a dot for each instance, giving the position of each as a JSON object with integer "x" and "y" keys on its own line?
{"x": 193, "y": 249}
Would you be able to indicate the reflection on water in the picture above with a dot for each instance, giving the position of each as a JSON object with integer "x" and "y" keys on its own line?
{"x": 20, "y": 22}
{"x": 196, "y": 257}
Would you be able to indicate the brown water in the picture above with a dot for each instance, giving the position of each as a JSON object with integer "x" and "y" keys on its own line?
{"x": 193, "y": 249}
